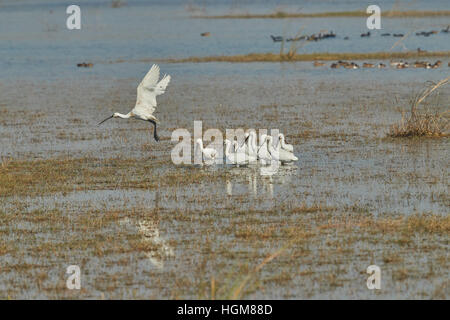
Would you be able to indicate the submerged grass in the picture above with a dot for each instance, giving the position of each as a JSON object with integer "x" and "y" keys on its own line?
{"x": 284, "y": 15}
{"x": 273, "y": 57}
{"x": 422, "y": 123}
{"x": 42, "y": 177}
{"x": 337, "y": 236}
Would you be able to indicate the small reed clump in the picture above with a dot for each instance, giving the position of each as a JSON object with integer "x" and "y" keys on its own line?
{"x": 117, "y": 4}
{"x": 421, "y": 124}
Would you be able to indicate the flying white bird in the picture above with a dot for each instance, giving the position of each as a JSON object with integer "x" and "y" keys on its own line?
{"x": 147, "y": 91}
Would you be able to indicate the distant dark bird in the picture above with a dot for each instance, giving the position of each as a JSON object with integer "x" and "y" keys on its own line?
{"x": 85, "y": 65}
{"x": 398, "y": 35}
{"x": 402, "y": 65}
{"x": 385, "y": 34}
{"x": 205, "y": 34}
{"x": 335, "y": 65}
{"x": 346, "y": 38}
{"x": 276, "y": 38}
{"x": 437, "y": 64}
{"x": 365, "y": 34}
{"x": 446, "y": 30}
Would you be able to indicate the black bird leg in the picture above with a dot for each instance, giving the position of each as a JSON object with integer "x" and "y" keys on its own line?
{"x": 155, "y": 135}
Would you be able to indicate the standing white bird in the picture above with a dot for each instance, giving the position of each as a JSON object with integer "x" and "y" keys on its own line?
{"x": 147, "y": 91}
{"x": 208, "y": 154}
{"x": 284, "y": 145}
{"x": 278, "y": 153}
{"x": 252, "y": 148}
{"x": 241, "y": 155}
{"x": 236, "y": 156}
{"x": 263, "y": 152}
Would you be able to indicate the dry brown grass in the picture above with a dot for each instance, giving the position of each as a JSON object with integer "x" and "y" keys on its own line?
{"x": 349, "y": 229}
{"x": 292, "y": 55}
{"x": 118, "y": 4}
{"x": 422, "y": 123}
{"x": 41, "y": 177}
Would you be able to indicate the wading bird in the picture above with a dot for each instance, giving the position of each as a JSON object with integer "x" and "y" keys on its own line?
{"x": 284, "y": 145}
{"x": 263, "y": 152}
{"x": 145, "y": 106}
{"x": 235, "y": 156}
{"x": 278, "y": 153}
{"x": 208, "y": 154}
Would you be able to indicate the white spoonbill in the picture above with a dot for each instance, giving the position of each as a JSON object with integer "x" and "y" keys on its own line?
{"x": 242, "y": 155}
{"x": 279, "y": 153}
{"x": 236, "y": 155}
{"x": 147, "y": 91}
{"x": 263, "y": 152}
{"x": 284, "y": 145}
{"x": 252, "y": 149}
{"x": 208, "y": 154}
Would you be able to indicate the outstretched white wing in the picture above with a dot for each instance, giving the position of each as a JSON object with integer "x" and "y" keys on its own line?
{"x": 147, "y": 91}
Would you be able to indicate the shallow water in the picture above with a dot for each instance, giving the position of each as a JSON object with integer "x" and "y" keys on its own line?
{"x": 34, "y": 41}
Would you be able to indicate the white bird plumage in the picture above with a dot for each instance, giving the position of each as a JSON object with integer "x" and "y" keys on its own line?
{"x": 237, "y": 155}
{"x": 208, "y": 154}
{"x": 263, "y": 152}
{"x": 279, "y": 153}
{"x": 284, "y": 145}
{"x": 252, "y": 148}
{"x": 147, "y": 91}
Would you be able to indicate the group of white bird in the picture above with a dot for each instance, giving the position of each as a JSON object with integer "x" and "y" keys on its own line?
{"x": 250, "y": 151}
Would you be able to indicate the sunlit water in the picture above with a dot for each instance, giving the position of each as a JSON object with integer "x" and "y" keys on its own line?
{"x": 34, "y": 40}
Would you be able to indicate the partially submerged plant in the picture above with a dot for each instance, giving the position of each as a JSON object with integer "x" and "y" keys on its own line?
{"x": 422, "y": 124}
{"x": 4, "y": 162}
{"x": 117, "y": 3}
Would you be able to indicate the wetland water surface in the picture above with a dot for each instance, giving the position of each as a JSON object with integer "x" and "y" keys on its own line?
{"x": 110, "y": 200}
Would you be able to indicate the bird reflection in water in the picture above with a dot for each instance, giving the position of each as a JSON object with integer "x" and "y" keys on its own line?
{"x": 260, "y": 179}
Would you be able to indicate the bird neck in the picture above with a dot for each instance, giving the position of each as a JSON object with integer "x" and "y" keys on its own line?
{"x": 282, "y": 142}
{"x": 227, "y": 148}
{"x": 200, "y": 145}
{"x": 253, "y": 142}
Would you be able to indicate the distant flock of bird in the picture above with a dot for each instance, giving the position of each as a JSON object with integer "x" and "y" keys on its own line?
{"x": 331, "y": 34}
{"x": 313, "y": 37}
{"x": 250, "y": 151}
{"x": 393, "y": 64}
